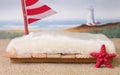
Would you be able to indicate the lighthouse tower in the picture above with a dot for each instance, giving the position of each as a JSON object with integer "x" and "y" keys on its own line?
{"x": 90, "y": 17}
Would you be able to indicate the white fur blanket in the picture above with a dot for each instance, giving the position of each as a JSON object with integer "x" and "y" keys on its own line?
{"x": 60, "y": 42}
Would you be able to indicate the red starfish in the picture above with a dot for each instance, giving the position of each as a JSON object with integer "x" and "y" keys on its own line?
{"x": 103, "y": 57}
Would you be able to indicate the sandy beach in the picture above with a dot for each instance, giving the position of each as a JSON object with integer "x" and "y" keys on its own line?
{"x": 8, "y": 68}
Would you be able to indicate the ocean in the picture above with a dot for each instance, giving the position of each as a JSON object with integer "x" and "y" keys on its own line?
{"x": 48, "y": 24}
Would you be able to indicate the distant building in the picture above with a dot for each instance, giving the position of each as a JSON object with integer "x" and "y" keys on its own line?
{"x": 91, "y": 18}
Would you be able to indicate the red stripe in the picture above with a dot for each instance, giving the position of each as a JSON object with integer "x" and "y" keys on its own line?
{"x": 38, "y": 10}
{"x": 30, "y": 20}
{"x": 30, "y": 2}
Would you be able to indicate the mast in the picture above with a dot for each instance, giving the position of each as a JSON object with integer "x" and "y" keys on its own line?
{"x": 25, "y": 17}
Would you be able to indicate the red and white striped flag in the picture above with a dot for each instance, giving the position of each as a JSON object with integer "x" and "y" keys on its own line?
{"x": 36, "y": 10}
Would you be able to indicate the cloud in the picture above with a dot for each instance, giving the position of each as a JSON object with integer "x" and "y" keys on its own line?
{"x": 9, "y": 4}
{"x": 67, "y": 9}
{"x": 10, "y": 10}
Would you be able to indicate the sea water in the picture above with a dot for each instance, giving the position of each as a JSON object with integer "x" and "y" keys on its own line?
{"x": 48, "y": 25}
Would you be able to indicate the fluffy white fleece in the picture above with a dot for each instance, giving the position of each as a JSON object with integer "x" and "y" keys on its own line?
{"x": 60, "y": 42}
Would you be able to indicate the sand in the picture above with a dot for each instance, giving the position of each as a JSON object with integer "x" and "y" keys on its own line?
{"x": 8, "y": 68}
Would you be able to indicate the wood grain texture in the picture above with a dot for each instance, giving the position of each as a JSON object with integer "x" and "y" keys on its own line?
{"x": 39, "y": 55}
{"x": 51, "y": 60}
{"x": 43, "y": 58}
{"x": 52, "y": 55}
{"x": 68, "y": 56}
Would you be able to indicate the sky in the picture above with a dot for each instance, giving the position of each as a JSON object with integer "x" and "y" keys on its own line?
{"x": 10, "y": 10}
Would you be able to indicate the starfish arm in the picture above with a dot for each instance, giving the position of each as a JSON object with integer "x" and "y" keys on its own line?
{"x": 112, "y": 55}
{"x": 94, "y": 54}
{"x": 107, "y": 64}
{"x": 103, "y": 57}
{"x": 98, "y": 63}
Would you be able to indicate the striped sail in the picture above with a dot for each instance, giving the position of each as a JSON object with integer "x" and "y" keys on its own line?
{"x": 36, "y": 10}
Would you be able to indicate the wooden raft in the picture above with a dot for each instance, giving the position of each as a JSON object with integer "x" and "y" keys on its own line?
{"x": 44, "y": 58}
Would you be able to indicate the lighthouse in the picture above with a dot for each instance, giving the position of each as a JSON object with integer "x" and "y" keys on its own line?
{"x": 91, "y": 18}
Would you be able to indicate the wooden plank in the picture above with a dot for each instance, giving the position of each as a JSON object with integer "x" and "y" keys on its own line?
{"x": 51, "y": 60}
{"x": 54, "y": 55}
{"x": 68, "y": 56}
{"x": 39, "y": 55}
{"x": 83, "y": 56}
{"x": 24, "y": 55}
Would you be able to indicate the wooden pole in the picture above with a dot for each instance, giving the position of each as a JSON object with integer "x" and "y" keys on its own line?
{"x": 25, "y": 17}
